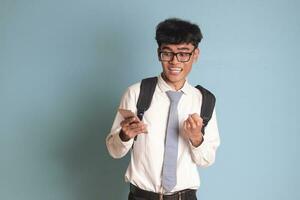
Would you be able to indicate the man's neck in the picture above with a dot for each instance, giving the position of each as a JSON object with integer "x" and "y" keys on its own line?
{"x": 175, "y": 85}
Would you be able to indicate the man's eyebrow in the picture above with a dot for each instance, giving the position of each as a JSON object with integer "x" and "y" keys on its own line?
{"x": 166, "y": 48}
{"x": 180, "y": 48}
{"x": 183, "y": 48}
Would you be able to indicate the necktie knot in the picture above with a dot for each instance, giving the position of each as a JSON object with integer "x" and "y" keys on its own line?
{"x": 174, "y": 96}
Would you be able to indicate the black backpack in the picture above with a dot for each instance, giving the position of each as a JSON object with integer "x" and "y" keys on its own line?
{"x": 147, "y": 89}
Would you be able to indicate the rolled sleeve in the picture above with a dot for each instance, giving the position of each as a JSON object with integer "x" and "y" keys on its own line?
{"x": 204, "y": 155}
{"x": 116, "y": 147}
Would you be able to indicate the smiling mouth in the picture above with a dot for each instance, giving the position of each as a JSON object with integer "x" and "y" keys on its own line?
{"x": 175, "y": 70}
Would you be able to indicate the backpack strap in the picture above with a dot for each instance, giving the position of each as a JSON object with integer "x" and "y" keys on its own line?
{"x": 207, "y": 107}
{"x": 147, "y": 89}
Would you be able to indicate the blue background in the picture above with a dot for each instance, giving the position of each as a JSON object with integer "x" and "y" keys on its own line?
{"x": 65, "y": 64}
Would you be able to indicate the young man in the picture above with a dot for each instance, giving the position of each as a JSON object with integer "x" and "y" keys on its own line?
{"x": 168, "y": 130}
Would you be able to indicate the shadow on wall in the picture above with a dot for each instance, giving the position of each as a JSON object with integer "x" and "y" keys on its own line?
{"x": 91, "y": 172}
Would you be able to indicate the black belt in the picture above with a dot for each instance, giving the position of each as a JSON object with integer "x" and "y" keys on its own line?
{"x": 183, "y": 194}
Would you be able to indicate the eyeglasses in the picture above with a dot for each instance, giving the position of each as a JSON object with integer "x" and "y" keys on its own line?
{"x": 169, "y": 56}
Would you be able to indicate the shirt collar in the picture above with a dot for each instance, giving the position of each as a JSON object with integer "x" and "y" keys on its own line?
{"x": 164, "y": 86}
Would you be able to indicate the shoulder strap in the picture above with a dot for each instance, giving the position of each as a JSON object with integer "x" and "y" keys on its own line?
{"x": 207, "y": 107}
{"x": 147, "y": 89}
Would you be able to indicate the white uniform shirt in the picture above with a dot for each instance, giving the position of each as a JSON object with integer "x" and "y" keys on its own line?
{"x": 145, "y": 168}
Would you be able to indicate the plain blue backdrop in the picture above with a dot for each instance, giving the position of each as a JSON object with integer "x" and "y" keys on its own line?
{"x": 65, "y": 64}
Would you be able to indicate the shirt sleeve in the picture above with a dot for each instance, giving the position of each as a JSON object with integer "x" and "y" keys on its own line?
{"x": 116, "y": 147}
{"x": 205, "y": 154}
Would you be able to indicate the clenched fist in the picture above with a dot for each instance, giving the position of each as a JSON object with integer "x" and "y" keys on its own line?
{"x": 192, "y": 129}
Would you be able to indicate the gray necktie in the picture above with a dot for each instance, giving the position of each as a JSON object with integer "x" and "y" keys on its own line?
{"x": 171, "y": 146}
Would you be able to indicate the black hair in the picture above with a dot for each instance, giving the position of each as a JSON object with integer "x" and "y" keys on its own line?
{"x": 177, "y": 31}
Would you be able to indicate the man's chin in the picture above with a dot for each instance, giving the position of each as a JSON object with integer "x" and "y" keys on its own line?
{"x": 175, "y": 79}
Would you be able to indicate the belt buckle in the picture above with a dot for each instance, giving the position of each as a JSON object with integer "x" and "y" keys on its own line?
{"x": 161, "y": 196}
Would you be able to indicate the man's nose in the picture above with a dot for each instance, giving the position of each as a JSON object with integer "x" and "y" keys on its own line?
{"x": 174, "y": 59}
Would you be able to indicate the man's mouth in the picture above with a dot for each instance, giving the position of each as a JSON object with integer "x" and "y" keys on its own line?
{"x": 175, "y": 70}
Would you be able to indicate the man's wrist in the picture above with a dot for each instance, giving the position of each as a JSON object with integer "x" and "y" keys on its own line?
{"x": 123, "y": 136}
{"x": 197, "y": 143}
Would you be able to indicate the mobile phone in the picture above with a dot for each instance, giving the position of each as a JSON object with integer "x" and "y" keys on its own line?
{"x": 127, "y": 113}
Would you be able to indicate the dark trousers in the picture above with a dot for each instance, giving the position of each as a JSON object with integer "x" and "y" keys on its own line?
{"x": 139, "y": 194}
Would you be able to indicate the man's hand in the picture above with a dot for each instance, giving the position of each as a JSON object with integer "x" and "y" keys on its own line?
{"x": 131, "y": 127}
{"x": 192, "y": 129}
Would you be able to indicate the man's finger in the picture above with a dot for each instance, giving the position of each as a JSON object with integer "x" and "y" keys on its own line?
{"x": 145, "y": 130}
{"x": 128, "y": 121}
{"x": 125, "y": 122}
{"x": 138, "y": 130}
{"x": 138, "y": 127}
{"x": 197, "y": 119}
{"x": 188, "y": 125}
{"x": 192, "y": 122}
{"x": 185, "y": 125}
{"x": 133, "y": 125}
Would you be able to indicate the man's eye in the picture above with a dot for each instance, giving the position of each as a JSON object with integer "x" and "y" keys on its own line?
{"x": 167, "y": 53}
{"x": 183, "y": 54}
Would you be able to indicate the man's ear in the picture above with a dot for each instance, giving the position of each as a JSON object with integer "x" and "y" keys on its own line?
{"x": 196, "y": 54}
{"x": 158, "y": 54}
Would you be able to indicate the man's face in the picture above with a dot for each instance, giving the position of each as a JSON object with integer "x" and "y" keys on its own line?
{"x": 174, "y": 71}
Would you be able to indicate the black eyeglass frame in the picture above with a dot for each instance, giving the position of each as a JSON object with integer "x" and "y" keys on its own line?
{"x": 176, "y": 54}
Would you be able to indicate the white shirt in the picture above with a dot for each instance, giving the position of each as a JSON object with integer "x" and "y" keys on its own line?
{"x": 145, "y": 168}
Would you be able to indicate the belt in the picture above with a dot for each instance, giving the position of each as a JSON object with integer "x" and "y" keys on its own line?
{"x": 179, "y": 195}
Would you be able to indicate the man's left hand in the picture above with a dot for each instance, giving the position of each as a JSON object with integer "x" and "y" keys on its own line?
{"x": 192, "y": 129}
